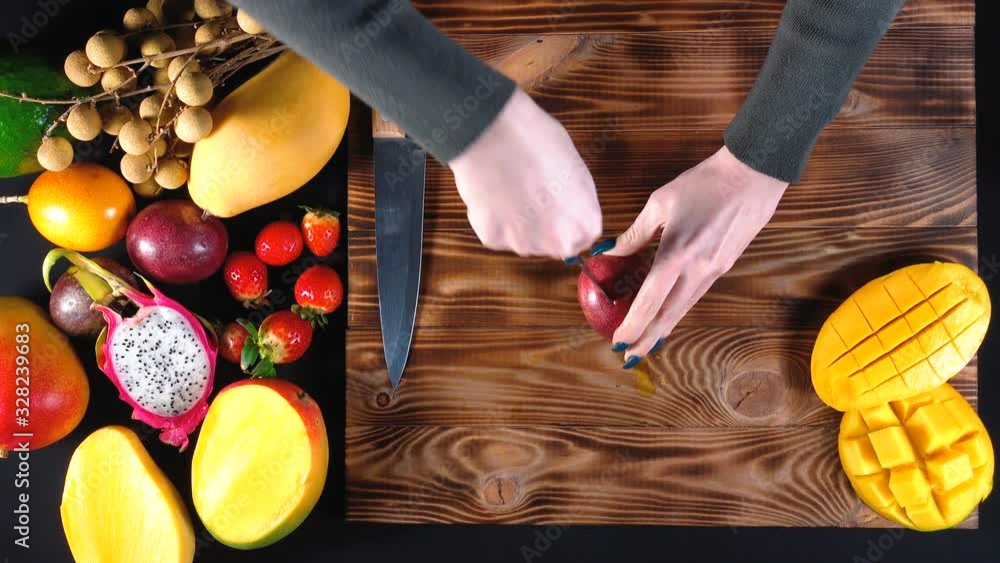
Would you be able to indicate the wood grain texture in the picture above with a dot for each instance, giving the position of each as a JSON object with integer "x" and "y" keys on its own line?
{"x": 706, "y": 477}
{"x": 513, "y": 411}
{"x": 866, "y": 177}
{"x": 702, "y": 377}
{"x": 694, "y": 477}
{"x": 573, "y": 16}
{"x": 787, "y": 278}
{"x": 658, "y": 81}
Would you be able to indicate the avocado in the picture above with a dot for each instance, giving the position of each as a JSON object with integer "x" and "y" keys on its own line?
{"x": 23, "y": 124}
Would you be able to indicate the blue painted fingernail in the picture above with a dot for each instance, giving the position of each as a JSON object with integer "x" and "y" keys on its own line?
{"x": 658, "y": 345}
{"x": 572, "y": 260}
{"x": 619, "y": 347}
{"x": 603, "y": 247}
{"x": 632, "y": 362}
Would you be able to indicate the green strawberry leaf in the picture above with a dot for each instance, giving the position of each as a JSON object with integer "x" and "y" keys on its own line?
{"x": 250, "y": 354}
{"x": 265, "y": 368}
{"x": 252, "y": 330}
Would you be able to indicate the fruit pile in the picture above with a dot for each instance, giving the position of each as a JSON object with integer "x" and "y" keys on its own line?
{"x": 185, "y": 54}
{"x": 284, "y": 336}
{"x": 912, "y": 447}
{"x": 151, "y": 88}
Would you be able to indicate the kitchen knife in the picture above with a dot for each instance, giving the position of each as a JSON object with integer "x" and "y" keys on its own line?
{"x": 399, "y": 167}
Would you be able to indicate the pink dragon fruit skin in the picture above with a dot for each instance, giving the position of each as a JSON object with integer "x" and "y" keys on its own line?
{"x": 190, "y": 391}
{"x": 162, "y": 359}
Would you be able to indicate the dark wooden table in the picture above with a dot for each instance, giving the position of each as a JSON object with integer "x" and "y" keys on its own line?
{"x": 513, "y": 411}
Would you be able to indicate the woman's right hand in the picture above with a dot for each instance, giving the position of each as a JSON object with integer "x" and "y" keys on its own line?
{"x": 526, "y": 187}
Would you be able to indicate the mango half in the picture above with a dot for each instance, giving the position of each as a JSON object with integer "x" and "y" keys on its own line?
{"x": 260, "y": 464}
{"x": 119, "y": 507}
{"x": 900, "y": 335}
{"x": 924, "y": 462}
{"x": 269, "y": 137}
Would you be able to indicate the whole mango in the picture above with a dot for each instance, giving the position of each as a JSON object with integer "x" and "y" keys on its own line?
{"x": 42, "y": 382}
{"x": 269, "y": 137}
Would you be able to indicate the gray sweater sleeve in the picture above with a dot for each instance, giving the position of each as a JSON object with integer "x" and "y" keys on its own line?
{"x": 397, "y": 62}
{"x": 818, "y": 50}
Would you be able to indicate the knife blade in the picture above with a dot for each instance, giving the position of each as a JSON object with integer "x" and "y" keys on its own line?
{"x": 399, "y": 170}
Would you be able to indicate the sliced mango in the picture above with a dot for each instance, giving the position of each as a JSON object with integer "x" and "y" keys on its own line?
{"x": 118, "y": 506}
{"x": 905, "y": 333}
{"x": 260, "y": 463}
{"x": 925, "y": 462}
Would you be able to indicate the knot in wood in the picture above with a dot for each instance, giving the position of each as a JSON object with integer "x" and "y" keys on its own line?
{"x": 757, "y": 394}
{"x": 500, "y": 492}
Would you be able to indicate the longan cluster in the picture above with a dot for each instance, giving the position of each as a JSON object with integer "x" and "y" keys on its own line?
{"x": 186, "y": 52}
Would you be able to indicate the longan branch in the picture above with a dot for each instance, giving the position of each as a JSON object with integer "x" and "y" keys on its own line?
{"x": 24, "y": 97}
{"x": 223, "y": 42}
{"x": 155, "y": 28}
{"x": 102, "y": 97}
{"x": 221, "y": 77}
{"x": 243, "y": 55}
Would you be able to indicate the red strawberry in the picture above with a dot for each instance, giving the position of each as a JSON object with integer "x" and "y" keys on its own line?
{"x": 279, "y": 243}
{"x": 321, "y": 228}
{"x": 246, "y": 278}
{"x": 231, "y": 342}
{"x": 283, "y": 337}
{"x": 318, "y": 291}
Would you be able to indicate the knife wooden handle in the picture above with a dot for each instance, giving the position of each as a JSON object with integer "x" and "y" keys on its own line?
{"x": 382, "y": 128}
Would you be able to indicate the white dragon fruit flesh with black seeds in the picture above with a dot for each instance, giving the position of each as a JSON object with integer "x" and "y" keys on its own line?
{"x": 162, "y": 360}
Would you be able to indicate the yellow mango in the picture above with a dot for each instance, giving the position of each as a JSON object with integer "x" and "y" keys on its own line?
{"x": 924, "y": 462}
{"x": 260, "y": 464}
{"x": 119, "y": 507}
{"x": 900, "y": 335}
{"x": 269, "y": 137}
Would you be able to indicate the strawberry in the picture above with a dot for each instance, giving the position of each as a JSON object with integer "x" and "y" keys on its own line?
{"x": 321, "y": 228}
{"x": 318, "y": 292}
{"x": 231, "y": 342}
{"x": 246, "y": 278}
{"x": 282, "y": 338}
{"x": 279, "y": 243}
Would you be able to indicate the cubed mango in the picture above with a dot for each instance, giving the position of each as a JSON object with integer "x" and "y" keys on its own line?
{"x": 892, "y": 447}
{"x": 859, "y": 457}
{"x": 932, "y": 428}
{"x": 909, "y": 485}
{"x": 903, "y": 291}
{"x": 946, "y": 360}
{"x": 945, "y": 299}
{"x": 907, "y": 355}
{"x": 879, "y": 417}
{"x": 920, "y": 317}
{"x": 850, "y": 324}
{"x": 948, "y": 469}
{"x": 894, "y": 334}
{"x": 876, "y": 305}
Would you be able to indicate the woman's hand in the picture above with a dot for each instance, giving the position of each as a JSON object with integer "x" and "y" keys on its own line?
{"x": 526, "y": 188}
{"x": 708, "y": 216}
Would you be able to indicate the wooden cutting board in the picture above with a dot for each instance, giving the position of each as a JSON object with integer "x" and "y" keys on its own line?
{"x": 513, "y": 411}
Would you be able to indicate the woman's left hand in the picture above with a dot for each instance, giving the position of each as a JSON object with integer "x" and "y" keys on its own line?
{"x": 708, "y": 216}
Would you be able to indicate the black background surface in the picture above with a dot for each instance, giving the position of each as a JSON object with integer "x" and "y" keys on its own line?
{"x": 325, "y": 536}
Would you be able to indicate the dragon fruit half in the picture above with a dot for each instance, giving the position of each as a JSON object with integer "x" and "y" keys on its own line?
{"x": 161, "y": 359}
